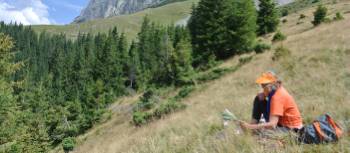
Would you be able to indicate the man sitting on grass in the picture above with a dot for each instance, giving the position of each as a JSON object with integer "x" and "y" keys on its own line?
{"x": 276, "y": 105}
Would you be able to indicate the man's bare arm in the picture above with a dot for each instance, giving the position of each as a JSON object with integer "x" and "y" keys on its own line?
{"x": 269, "y": 125}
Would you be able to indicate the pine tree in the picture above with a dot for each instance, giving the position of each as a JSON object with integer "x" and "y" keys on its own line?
{"x": 8, "y": 105}
{"x": 207, "y": 28}
{"x": 240, "y": 21}
{"x": 163, "y": 73}
{"x": 268, "y": 17}
{"x": 220, "y": 29}
{"x": 182, "y": 63}
{"x": 134, "y": 72}
{"x": 148, "y": 47}
{"x": 34, "y": 136}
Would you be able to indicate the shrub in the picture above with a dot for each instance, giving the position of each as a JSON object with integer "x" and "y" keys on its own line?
{"x": 212, "y": 75}
{"x": 140, "y": 118}
{"x": 148, "y": 99}
{"x": 338, "y": 16}
{"x": 302, "y": 16}
{"x": 14, "y": 148}
{"x": 168, "y": 107}
{"x": 72, "y": 130}
{"x": 148, "y": 94}
{"x": 327, "y": 20}
{"x": 68, "y": 144}
{"x": 284, "y": 21}
{"x": 319, "y": 15}
{"x": 279, "y": 36}
{"x": 284, "y": 12}
{"x": 184, "y": 92}
{"x": 244, "y": 60}
{"x": 281, "y": 52}
{"x": 261, "y": 47}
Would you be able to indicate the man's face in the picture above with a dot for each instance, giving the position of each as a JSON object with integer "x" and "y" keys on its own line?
{"x": 266, "y": 88}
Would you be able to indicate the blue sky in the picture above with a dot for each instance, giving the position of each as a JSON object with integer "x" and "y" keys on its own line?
{"x": 31, "y": 12}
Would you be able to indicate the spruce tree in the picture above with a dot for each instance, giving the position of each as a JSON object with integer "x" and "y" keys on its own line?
{"x": 146, "y": 49}
{"x": 240, "y": 21}
{"x": 8, "y": 105}
{"x": 164, "y": 58}
{"x": 134, "y": 64}
{"x": 268, "y": 17}
{"x": 207, "y": 28}
{"x": 220, "y": 29}
{"x": 182, "y": 63}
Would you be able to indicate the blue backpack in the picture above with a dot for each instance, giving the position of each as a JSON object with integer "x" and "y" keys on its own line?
{"x": 322, "y": 130}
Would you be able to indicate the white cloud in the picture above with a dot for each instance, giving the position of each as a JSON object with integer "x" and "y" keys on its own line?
{"x": 27, "y": 12}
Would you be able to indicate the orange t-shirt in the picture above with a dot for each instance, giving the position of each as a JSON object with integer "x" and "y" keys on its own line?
{"x": 284, "y": 106}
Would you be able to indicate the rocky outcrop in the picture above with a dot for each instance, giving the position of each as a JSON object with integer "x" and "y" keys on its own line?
{"x": 107, "y": 8}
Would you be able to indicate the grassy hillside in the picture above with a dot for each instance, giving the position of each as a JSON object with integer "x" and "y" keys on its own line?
{"x": 130, "y": 24}
{"x": 316, "y": 72}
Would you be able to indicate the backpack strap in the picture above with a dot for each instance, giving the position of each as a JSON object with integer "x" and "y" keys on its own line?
{"x": 335, "y": 126}
{"x": 319, "y": 132}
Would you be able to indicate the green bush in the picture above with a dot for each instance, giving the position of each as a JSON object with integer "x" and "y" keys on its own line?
{"x": 284, "y": 21}
{"x": 14, "y": 148}
{"x": 281, "y": 52}
{"x": 68, "y": 144}
{"x": 212, "y": 75}
{"x": 245, "y": 60}
{"x": 184, "y": 92}
{"x": 73, "y": 130}
{"x": 284, "y": 12}
{"x": 279, "y": 36}
{"x": 327, "y": 20}
{"x": 168, "y": 107}
{"x": 140, "y": 118}
{"x": 338, "y": 16}
{"x": 147, "y": 101}
{"x": 319, "y": 15}
{"x": 261, "y": 47}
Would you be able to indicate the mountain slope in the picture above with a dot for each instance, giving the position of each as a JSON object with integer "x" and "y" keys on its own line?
{"x": 129, "y": 24}
{"x": 108, "y": 8}
{"x": 317, "y": 74}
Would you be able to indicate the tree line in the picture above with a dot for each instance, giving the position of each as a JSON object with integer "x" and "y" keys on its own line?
{"x": 61, "y": 88}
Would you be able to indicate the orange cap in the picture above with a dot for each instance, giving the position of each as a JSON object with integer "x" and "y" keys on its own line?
{"x": 266, "y": 78}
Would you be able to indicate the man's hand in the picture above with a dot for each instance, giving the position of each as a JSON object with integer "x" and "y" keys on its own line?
{"x": 244, "y": 125}
{"x": 269, "y": 125}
